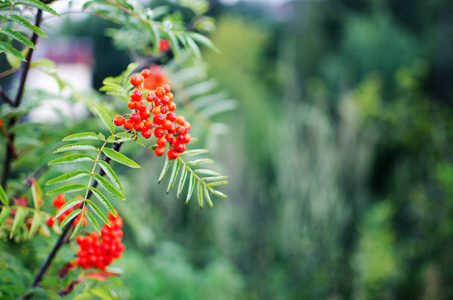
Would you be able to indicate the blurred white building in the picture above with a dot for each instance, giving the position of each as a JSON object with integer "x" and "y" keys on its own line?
{"x": 74, "y": 64}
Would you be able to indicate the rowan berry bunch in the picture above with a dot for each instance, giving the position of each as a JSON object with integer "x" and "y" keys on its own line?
{"x": 58, "y": 202}
{"x": 99, "y": 251}
{"x": 169, "y": 129}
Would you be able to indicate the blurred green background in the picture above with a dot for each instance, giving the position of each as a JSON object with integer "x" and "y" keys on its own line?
{"x": 338, "y": 156}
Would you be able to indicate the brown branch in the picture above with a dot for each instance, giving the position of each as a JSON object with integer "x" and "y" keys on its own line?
{"x": 5, "y": 96}
{"x": 10, "y": 154}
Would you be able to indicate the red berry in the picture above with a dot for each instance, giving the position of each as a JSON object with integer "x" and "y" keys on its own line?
{"x": 187, "y": 126}
{"x": 170, "y": 96}
{"x": 171, "y": 106}
{"x": 171, "y": 116}
{"x": 167, "y": 125}
{"x": 186, "y": 139}
{"x": 136, "y": 95}
{"x": 145, "y": 114}
{"x": 172, "y": 154}
{"x": 164, "y": 100}
{"x": 139, "y": 126}
{"x": 166, "y": 87}
{"x": 158, "y": 119}
{"x": 159, "y": 132}
{"x": 118, "y": 121}
{"x": 169, "y": 137}
{"x": 128, "y": 125}
{"x": 181, "y": 130}
{"x": 145, "y": 73}
{"x": 172, "y": 128}
{"x": 164, "y": 45}
{"x": 1, "y": 123}
{"x": 159, "y": 151}
{"x": 147, "y": 133}
{"x": 163, "y": 109}
{"x": 149, "y": 124}
{"x": 161, "y": 142}
{"x": 50, "y": 221}
{"x": 59, "y": 201}
{"x": 160, "y": 92}
{"x": 156, "y": 110}
{"x": 180, "y": 120}
{"x": 179, "y": 147}
{"x": 150, "y": 97}
{"x": 131, "y": 104}
{"x": 180, "y": 138}
{"x": 137, "y": 80}
{"x": 141, "y": 106}
{"x": 135, "y": 117}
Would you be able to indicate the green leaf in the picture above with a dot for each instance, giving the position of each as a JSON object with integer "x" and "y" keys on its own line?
{"x": 71, "y": 216}
{"x": 45, "y": 63}
{"x": 182, "y": 180}
{"x": 207, "y": 172}
{"x": 27, "y": 24}
{"x": 74, "y": 147}
{"x": 208, "y": 198}
{"x": 217, "y": 193}
{"x": 5, "y": 47}
{"x": 93, "y": 221}
{"x": 77, "y": 229}
{"x": 194, "y": 152}
{"x": 200, "y": 194}
{"x": 204, "y": 41}
{"x": 105, "y": 117}
{"x": 174, "y": 173}
{"x": 199, "y": 161}
{"x": 108, "y": 186}
{"x": 39, "y": 5}
{"x": 103, "y": 200}
{"x": 67, "y": 206}
{"x": 174, "y": 44}
{"x": 191, "y": 187}
{"x": 71, "y": 159}
{"x": 36, "y": 193}
{"x": 98, "y": 212}
{"x": 215, "y": 178}
{"x": 18, "y": 37}
{"x": 67, "y": 189}
{"x": 3, "y": 196}
{"x": 156, "y": 36}
{"x": 35, "y": 224}
{"x": 120, "y": 158}
{"x": 164, "y": 169}
{"x": 217, "y": 183}
{"x": 130, "y": 68}
{"x": 111, "y": 174}
{"x": 83, "y": 136}
{"x": 68, "y": 177}
{"x": 193, "y": 46}
{"x": 21, "y": 213}
{"x": 6, "y": 211}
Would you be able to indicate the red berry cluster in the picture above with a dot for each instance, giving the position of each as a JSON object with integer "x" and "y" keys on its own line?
{"x": 58, "y": 202}
{"x": 169, "y": 129}
{"x": 99, "y": 252}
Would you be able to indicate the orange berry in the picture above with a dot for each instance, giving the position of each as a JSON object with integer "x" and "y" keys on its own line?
{"x": 160, "y": 92}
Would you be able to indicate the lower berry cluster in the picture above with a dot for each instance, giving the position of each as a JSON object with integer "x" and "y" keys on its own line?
{"x": 99, "y": 251}
{"x": 169, "y": 129}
